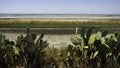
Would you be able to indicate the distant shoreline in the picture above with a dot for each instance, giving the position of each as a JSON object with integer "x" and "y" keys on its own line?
{"x": 62, "y": 16}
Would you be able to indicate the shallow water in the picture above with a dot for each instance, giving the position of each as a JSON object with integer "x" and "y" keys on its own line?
{"x": 53, "y": 40}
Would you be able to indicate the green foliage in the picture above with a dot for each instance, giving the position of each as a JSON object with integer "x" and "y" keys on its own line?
{"x": 89, "y": 50}
{"x": 25, "y": 52}
{"x": 18, "y": 23}
{"x": 104, "y": 33}
{"x": 101, "y": 47}
{"x": 70, "y": 50}
{"x": 6, "y": 51}
{"x": 92, "y": 39}
{"x": 98, "y": 35}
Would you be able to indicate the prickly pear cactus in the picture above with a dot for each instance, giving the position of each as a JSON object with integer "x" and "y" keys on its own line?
{"x": 70, "y": 50}
{"x": 79, "y": 41}
{"x": 89, "y": 32}
{"x": 2, "y": 39}
{"x": 92, "y": 39}
{"x": 104, "y": 33}
{"x": 98, "y": 35}
{"x": 82, "y": 32}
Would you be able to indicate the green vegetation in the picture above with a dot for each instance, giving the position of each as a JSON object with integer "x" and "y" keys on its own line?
{"x": 25, "y": 52}
{"x": 99, "y": 50}
{"x": 56, "y": 24}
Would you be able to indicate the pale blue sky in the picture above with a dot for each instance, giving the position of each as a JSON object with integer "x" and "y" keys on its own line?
{"x": 60, "y": 6}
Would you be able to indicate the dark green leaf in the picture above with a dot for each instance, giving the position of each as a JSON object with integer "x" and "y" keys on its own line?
{"x": 89, "y": 32}
{"x": 41, "y": 36}
{"x": 82, "y": 32}
{"x": 104, "y": 33}
{"x": 70, "y": 47}
{"x": 33, "y": 36}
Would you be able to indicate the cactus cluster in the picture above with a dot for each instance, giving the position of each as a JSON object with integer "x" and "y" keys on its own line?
{"x": 26, "y": 52}
{"x": 99, "y": 48}
{"x": 88, "y": 50}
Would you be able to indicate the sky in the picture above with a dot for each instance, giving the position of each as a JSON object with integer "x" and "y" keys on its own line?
{"x": 60, "y": 6}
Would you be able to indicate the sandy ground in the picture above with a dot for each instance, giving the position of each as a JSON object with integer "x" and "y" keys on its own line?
{"x": 57, "y": 41}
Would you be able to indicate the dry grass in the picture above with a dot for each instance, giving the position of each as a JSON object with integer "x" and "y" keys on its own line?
{"x": 57, "y": 20}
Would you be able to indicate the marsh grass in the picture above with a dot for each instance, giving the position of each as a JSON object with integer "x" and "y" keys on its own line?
{"x": 56, "y": 24}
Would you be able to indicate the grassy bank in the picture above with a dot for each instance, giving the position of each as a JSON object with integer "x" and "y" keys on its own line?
{"x": 18, "y": 23}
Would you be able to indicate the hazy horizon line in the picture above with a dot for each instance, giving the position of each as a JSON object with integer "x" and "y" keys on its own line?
{"x": 66, "y": 13}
